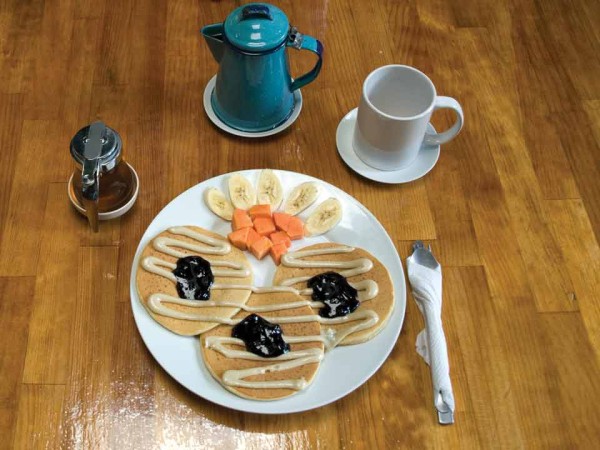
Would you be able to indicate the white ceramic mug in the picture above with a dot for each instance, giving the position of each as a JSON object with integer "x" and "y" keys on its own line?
{"x": 395, "y": 107}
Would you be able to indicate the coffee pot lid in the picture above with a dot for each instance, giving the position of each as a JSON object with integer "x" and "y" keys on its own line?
{"x": 256, "y": 27}
{"x": 109, "y": 153}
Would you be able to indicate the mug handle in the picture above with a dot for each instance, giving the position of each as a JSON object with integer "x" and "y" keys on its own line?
{"x": 305, "y": 42}
{"x": 436, "y": 139}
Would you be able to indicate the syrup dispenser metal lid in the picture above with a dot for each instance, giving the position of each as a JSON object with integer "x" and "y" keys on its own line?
{"x": 110, "y": 153}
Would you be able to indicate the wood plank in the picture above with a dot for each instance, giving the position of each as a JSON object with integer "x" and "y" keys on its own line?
{"x": 486, "y": 385}
{"x": 578, "y": 56}
{"x": 577, "y": 382}
{"x": 583, "y": 152}
{"x": 574, "y": 233}
{"x": 402, "y": 376}
{"x": 109, "y": 232}
{"x": 409, "y": 34}
{"x": 356, "y": 409}
{"x": 320, "y": 427}
{"x": 496, "y": 240}
{"x": 545, "y": 271}
{"x": 74, "y": 107}
{"x": 88, "y": 391}
{"x": 10, "y": 134}
{"x": 524, "y": 343}
{"x": 404, "y": 210}
{"x": 197, "y": 421}
{"x": 115, "y": 47}
{"x": 549, "y": 160}
{"x": 592, "y": 109}
{"x": 457, "y": 244}
{"x": 582, "y": 145}
{"x": 457, "y": 241}
{"x": 543, "y": 141}
{"x": 39, "y": 415}
{"x": 19, "y": 34}
{"x": 88, "y": 9}
{"x": 182, "y": 99}
{"x": 348, "y": 46}
{"x": 19, "y": 249}
{"x": 52, "y": 321}
{"x": 130, "y": 391}
{"x": 16, "y": 298}
{"x": 51, "y": 64}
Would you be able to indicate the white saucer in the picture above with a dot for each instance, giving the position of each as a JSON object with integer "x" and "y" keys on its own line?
{"x": 223, "y": 126}
{"x": 109, "y": 214}
{"x": 427, "y": 158}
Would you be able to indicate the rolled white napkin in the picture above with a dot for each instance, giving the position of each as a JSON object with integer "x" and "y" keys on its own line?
{"x": 431, "y": 343}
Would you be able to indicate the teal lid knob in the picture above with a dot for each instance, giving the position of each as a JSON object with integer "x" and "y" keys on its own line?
{"x": 256, "y": 27}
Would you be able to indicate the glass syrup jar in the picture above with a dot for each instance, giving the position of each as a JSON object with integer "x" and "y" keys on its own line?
{"x": 102, "y": 186}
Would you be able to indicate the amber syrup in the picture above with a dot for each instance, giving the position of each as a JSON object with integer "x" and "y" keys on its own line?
{"x": 117, "y": 186}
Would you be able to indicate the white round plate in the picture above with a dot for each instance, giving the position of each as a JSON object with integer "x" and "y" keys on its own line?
{"x": 428, "y": 156}
{"x": 259, "y": 134}
{"x": 344, "y": 369}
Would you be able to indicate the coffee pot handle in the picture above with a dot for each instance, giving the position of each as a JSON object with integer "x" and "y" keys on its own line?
{"x": 305, "y": 42}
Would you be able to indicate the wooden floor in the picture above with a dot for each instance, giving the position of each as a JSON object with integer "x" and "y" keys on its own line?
{"x": 512, "y": 209}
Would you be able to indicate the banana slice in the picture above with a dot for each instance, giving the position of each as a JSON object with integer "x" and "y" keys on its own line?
{"x": 218, "y": 203}
{"x": 241, "y": 192}
{"x": 327, "y": 215}
{"x": 269, "y": 189}
{"x": 301, "y": 197}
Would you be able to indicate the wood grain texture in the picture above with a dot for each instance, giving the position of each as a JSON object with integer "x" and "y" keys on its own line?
{"x": 52, "y": 320}
{"x": 512, "y": 210}
{"x": 16, "y": 296}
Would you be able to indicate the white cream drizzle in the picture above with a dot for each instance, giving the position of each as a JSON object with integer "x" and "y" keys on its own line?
{"x": 156, "y": 304}
{"x": 368, "y": 289}
{"x": 154, "y": 265}
{"x": 213, "y": 247}
{"x": 293, "y": 359}
{"x": 353, "y": 267}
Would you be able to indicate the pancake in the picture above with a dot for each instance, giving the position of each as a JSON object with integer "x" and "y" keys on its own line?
{"x": 382, "y": 304}
{"x": 149, "y": 283}
{"x": 218, "y": 364}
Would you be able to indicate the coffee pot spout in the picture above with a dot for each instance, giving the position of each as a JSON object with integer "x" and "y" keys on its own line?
{"x": 213, "y": 35}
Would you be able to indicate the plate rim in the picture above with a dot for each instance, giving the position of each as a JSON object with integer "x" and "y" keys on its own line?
{"x": 399, "y": 306}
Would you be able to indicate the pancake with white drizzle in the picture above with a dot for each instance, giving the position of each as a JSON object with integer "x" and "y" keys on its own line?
{"x": 360, "y": 268}
{"x": 239, "y": 371}
{"x": 229, "y": 266}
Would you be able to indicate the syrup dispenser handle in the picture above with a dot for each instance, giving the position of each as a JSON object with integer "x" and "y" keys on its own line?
{"x": 90, "y": 176}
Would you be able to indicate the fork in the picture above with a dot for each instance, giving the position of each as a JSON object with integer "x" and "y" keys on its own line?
{"x": 427, "y": 291}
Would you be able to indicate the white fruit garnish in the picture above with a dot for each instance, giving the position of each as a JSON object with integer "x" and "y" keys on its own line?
{"x": 218, "y": 203}
{"x": 241, "y": 192}
{"x": 301, "y": 197}
{"x": 269, "y": 189}
{"x": 326, "y": 216}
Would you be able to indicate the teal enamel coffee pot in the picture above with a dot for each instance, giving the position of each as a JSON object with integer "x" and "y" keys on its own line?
{"x": 254, "y": 90}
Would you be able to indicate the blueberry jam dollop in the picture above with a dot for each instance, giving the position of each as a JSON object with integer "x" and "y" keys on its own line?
{"x": 333, "y": 290}
{"x": 194, "y": 278}
{"x": 261, "y": 337}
